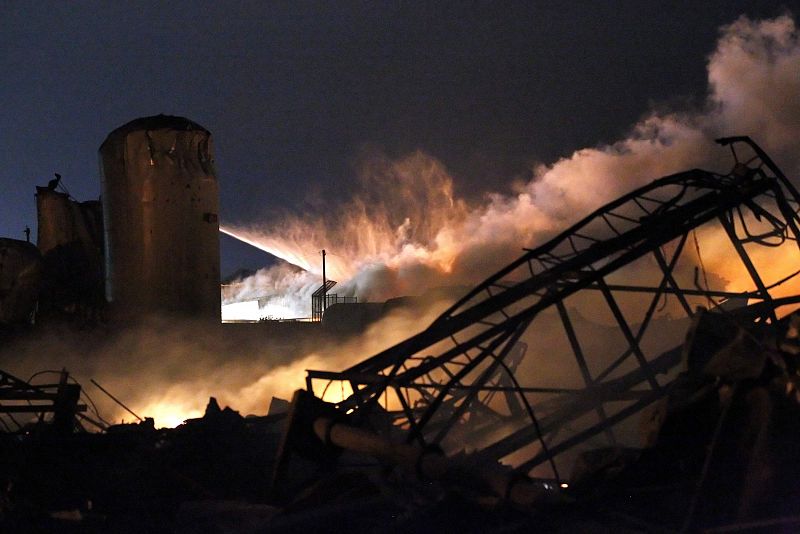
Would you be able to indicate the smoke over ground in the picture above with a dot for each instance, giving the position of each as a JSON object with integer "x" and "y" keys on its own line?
{"x": 167, "y": 368}
{"x": 406, "y": 230}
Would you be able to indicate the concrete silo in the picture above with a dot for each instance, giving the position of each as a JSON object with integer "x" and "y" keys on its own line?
{"x": 70, "y": 238}
{"x": 160, "y": 205}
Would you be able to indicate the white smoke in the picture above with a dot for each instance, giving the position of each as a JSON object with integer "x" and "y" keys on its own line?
{"x": 754, "y": 81}
{"x": 278, "y": 292}
{"x": 406, "y": 230}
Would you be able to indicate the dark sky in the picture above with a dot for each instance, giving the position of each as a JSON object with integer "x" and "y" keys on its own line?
{"x": 293, "y": 91}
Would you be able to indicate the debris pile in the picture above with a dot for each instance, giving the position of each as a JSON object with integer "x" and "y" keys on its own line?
{"x": 718, "y": 452}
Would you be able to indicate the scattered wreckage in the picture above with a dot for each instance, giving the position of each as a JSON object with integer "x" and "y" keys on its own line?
{"x": 476, "y": 424}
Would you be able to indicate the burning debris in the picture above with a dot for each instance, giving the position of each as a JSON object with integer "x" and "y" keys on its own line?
{"x": 476, "y": 423}
{"x": 451, "y": 386}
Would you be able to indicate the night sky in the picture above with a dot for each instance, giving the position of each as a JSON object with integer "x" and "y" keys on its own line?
{"x": 294, "y": 91}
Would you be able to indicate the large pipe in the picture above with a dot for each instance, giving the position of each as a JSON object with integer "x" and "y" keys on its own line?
{"x": 431, "y": 465}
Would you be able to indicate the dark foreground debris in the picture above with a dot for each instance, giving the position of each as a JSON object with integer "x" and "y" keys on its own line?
{"x": 719, "y": 456}
{"x": 722, "y": 458}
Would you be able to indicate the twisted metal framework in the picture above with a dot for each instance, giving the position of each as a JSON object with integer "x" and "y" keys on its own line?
{"x": 21, "y": 398}
{"x": 462, "y": 382}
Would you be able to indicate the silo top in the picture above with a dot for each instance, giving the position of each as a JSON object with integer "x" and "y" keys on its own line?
{"x": 156, "y": 122}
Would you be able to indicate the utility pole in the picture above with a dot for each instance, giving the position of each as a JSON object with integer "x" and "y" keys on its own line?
{"x": 324, "y": 284}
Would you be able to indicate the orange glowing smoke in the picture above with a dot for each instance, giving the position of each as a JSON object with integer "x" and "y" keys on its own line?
{"x": 405, "y": 229}
{"x": 400, "y": 217}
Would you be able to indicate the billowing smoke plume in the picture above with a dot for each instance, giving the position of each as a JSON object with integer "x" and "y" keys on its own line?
{"x": 406, "y": 230}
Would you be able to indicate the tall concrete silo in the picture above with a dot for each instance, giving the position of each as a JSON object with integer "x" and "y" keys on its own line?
{"x": 160, "y": 205}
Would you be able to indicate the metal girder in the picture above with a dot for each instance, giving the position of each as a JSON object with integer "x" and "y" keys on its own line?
{"x": 20, "y": 397}
{"x": 444, "y": 379}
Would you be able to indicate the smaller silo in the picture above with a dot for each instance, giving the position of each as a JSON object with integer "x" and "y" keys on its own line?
{"x": 160, "y": 205}
{"x": 70, "y": 238}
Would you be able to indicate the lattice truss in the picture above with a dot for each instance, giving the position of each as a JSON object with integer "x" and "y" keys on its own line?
{"x": 555, "y": 352}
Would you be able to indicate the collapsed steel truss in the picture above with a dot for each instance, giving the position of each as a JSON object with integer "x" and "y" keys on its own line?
{"x": 457, "y": 384}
